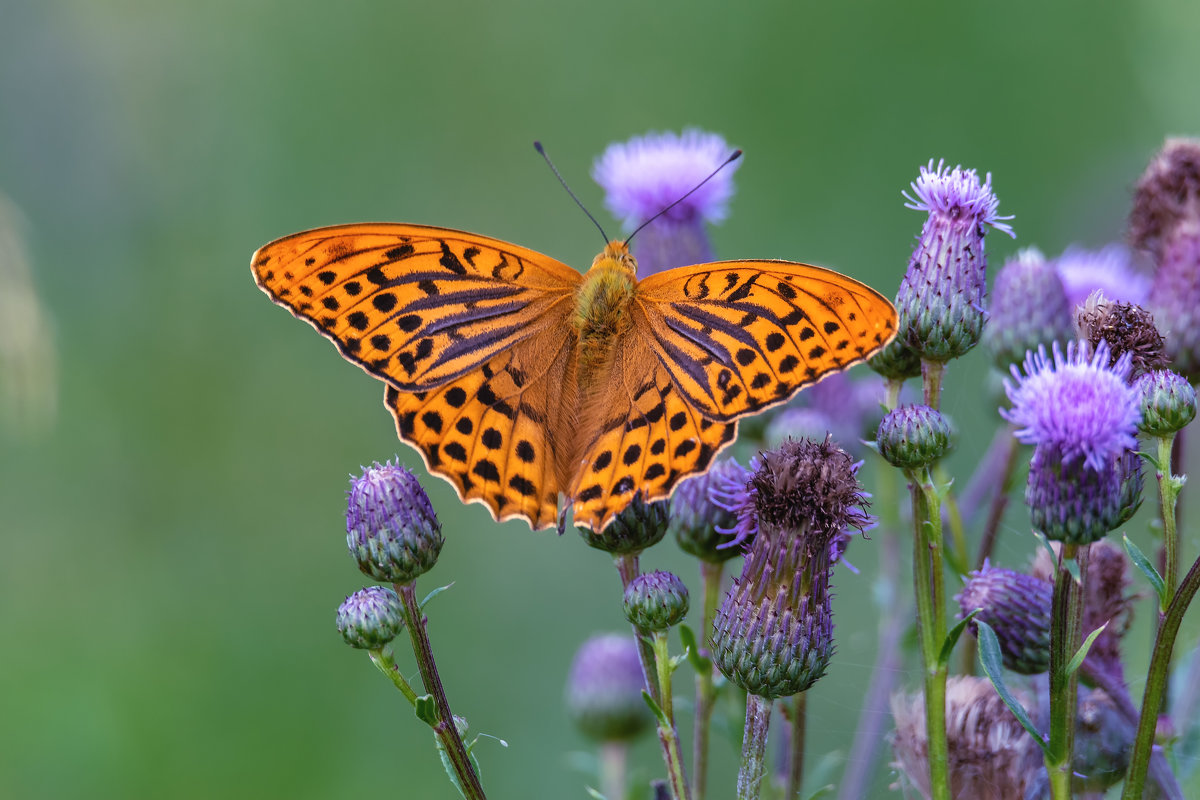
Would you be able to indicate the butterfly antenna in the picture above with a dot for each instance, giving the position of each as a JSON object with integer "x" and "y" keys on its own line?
{"x": 538, "y": 146}
{"x": 734, "y": 156}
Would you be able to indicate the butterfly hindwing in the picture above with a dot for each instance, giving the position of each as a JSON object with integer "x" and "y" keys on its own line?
{"x": 641, "y": 435}
{"x": 415, "y": 305}
{"x": 739, "y": 336}
{"x": 489, "y": 432}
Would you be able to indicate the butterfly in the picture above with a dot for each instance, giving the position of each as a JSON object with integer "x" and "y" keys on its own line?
{"x": 522, "y": 381}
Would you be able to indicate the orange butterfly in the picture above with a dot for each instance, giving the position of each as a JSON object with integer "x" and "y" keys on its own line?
{"x": 521, "y": 380}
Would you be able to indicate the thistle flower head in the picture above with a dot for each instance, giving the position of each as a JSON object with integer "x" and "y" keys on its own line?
{"x": 1167, "y": 197}
{"x": 656, "y": 601}
{"x": 1081, "y": 406}
{"x": 1029, "y": 308}
{"x": 773, "y": 632}
{"x": 991, "y": 757}
{"x": 914, "y": 436}
{"x": 391, "y": 528}
{"x": 701, "y": 525}
{"x": 941, "y": 297}
{"x": 604, "y": 689}
{"x": 1126, "y": 328}
{"x": 647, "y": 174}
{"x": 370, "y": 618}
{"x": 1168, "y": 402}
{"x": 1017, "y": 607}
{"x": 635, "y": 528}
{"x": 1109, "y": 270}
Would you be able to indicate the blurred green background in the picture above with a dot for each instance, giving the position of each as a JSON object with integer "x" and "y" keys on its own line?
{"x": 171, "y": 533}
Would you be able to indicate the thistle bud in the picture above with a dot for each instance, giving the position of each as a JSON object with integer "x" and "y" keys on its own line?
{"x": 370, "y": 618}
{"x": 637, "y": 527}
{"x": 1168, "y": 402}
{"x": 1029, "y": 308}
{"x": 897, "y": 361}
{"x": 1017, "y": 607}
{"x": 914, "y": 436}
{"x": 656, "y": 601}
{"x": 604, "y": 689}
{"x": 700, "y": 525}
{"x": 391, "y": 528}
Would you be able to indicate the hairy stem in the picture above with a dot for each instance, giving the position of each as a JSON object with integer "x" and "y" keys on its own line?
{"x": 797, "y": 713}
{"x": 754, "y": 748}
{"x": 1064, "y": 641}
{"x": 445, "y": 729}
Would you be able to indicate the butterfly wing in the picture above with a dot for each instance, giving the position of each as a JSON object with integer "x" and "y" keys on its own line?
{"x": 740, "y": 336}
{"x": 490, "y": 432}
{"x": 415, "y": 305}
{"x": 638, "y": 433}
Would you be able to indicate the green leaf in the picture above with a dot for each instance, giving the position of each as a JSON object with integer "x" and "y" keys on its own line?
{"x": 692, "y": 648}
{"x": 993, "y": 667}
{"x": 449, "y": 766}
{"x": 675, "y": 661}
{"x": 1070, "y": 565}
{"x": 594, "y": 794}
{"x": 1082, "y": 652}
{"x": 658, "y": 712}
{"x": 1153, "y": 461}
{"x": 435, "y": 593}
{"x": 1141, "y": 562}
{"x": 426, "y": 710}
{"x": 952, "y": 638}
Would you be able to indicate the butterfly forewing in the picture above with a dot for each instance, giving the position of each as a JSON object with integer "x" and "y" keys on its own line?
{"x": 739, "y": 336}
{"x": 415, "y": 305}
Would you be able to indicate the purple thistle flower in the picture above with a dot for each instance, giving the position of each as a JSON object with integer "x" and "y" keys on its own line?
{"x": 646, "y": 174}
{"x": 941, "y": 296}
{"x": 604, "y": 689}
{"x": 1109, "y": 269}
{"x": 1165, "y": 220}
{"x": 1075, "y": 403}
{"x": 1017, "y": 606}
{"x": 1081, "y": 414}
{"x": 700, "y": 523}
{"x": 1029, "y": 308}
{"x": 391, "y": 528}
{"x": 732, "y": 491}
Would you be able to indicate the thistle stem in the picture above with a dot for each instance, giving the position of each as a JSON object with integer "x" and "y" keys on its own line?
{"x": 627, "y": 568}
{"x": 445, "y": 728}
{"x": 931, "y": 382}
{"x": 386, "y": 663}
{"x": 797, "y": 713}
{"x": 706, "y": 692}
{"x": 754, "y": 747}
{"x": 1065, "y": 622}
{"x": 613, "y": 759}
{"x": 1168, "y": 494}
{"x": 666, "y": 726}
{"x": 1156, "y": 683}
{"x": 931, "y": 622}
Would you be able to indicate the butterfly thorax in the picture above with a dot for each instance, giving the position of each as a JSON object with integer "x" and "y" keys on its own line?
{"x": 602, "y": 307}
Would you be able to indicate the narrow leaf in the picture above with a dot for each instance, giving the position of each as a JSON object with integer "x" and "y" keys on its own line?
{"x": 1141, "y": 562}
{"x": 1082, "y": 652}
{"x": 952, "y": 638}
{"x": 692, "y": 648}
{"x": 658, "y": 712}
{"x": 1153, "y": 461}
{"x": 595, "y": 795}
{"x": 993, "y": 667}
{"x": 426, "y": 710}
{"x": 435, "y": 593}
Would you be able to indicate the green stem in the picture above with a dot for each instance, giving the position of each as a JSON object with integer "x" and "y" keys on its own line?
{"x": 892, "y": 400}
{"x": 1156, "y": 682}
{"x": 386, "y": 663}
{"x": 754, "y": 748}
{"x": 1064, "y": 641}
{"x": 613, "y": 759}
{"x": 931, "y": 622}
{"x": 706, "y": 692}
{"x": 1168, "y": 495}
{"x": 931, "y": 382}
{"x": 666, "y": 732}
{"x": 797, "y": 715}
{"x": 445, "y": 729}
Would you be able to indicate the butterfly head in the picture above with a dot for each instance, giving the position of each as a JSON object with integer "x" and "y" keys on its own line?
{"x": 616, "y": 259}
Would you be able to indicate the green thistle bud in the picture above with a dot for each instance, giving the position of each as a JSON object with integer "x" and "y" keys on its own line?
{"x": 914, "y": 436}
{"x": 604, "y": 689}
{"x": 656, "y": 601}
{"x": 370, "y": 618}
{"x": 897, "y": 361}
{"x": 1017, "y": 606}
{"x": 639, "y": 526}
{"x": 391, "y": 528}
{"x": 1168, "y": 402}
